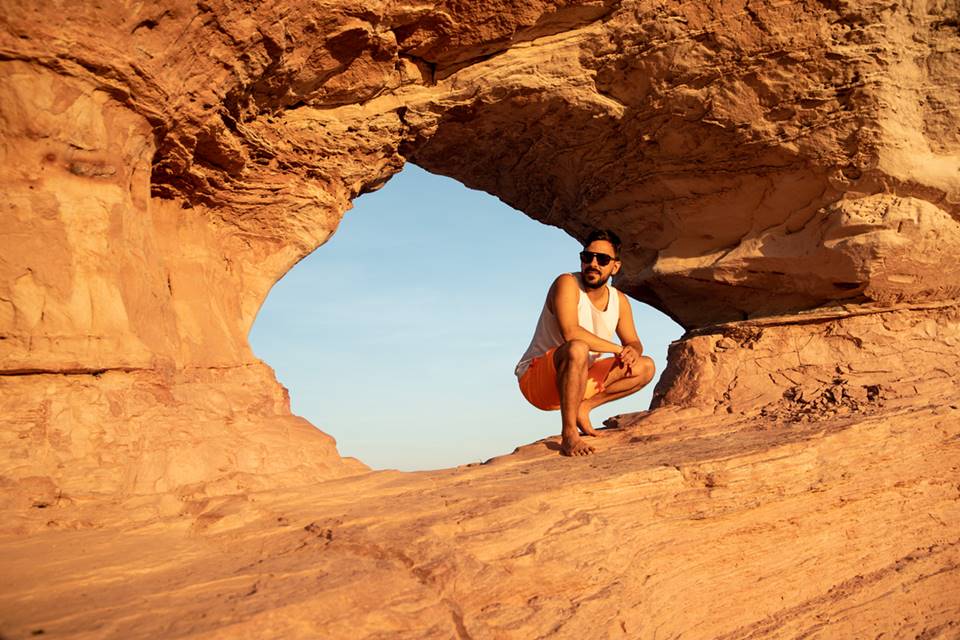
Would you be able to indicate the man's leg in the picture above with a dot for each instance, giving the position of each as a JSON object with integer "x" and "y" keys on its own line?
{"x": 616, "y": 385}
{"x": 571, "y": 359}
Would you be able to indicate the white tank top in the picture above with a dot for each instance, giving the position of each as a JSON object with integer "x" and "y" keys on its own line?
{"x": 547, "y": 335}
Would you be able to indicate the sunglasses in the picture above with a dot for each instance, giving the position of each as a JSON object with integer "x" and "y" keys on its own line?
{"x": 586, "y": 257}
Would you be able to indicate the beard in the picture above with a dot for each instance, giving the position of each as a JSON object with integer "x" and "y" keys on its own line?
{"x": 599, "y": 282}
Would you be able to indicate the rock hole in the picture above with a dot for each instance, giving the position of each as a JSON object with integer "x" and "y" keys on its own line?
{"x": 852, "y": 172}
{"x": 400, "y": 335}
{"x": 145, "y": 24}
{"x": 847, "y": 286}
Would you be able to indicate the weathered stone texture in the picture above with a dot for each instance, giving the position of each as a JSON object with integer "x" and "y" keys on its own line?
{"x": 679, "y": 526}
{"x": 852, "y": 359}
{"x": 786, "y": 177}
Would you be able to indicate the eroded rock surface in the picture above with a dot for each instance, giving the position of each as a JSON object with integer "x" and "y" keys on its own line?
{"x": 700, "y": 527}
{"x": 862, "y": 354}
{"x": 786, "y": 177}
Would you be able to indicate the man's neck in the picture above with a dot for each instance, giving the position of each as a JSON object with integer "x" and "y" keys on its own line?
{"x": 598, "y": 294}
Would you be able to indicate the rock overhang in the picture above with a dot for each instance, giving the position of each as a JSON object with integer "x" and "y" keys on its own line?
{"x": 785, "y": 176}
{"x": 758, "y": 162}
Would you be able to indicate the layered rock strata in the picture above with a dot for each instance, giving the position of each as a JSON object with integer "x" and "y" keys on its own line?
{"x": 680, "y": 526}
{"x": 854, "y": 358}
{"x": 163, "y": 166}
{"x": 172, "y": 163}
{"x": 785, "y": 177}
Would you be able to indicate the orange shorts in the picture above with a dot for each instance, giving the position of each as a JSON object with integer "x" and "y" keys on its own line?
{"x": 538, "y": 384}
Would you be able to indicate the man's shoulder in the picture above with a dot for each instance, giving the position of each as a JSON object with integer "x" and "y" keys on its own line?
{"x": 565, "y": 280}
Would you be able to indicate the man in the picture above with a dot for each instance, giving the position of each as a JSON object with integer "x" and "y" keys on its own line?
{"x": 563, "y": 367}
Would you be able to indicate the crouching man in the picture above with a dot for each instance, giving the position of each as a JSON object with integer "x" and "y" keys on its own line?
{"x": 564, "y": 367}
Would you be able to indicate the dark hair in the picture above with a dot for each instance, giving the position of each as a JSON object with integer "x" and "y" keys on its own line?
{"x": 604, "y": 234}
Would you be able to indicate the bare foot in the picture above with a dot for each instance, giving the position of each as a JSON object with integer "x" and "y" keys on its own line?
{"x": 583, "y": 423}
{"x": 575, "y": 446}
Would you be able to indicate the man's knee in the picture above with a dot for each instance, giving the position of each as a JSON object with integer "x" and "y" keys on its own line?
{"x": 647, "y": 369}
{"x": 578, "y": 351}
{"x": 574, "y": 352}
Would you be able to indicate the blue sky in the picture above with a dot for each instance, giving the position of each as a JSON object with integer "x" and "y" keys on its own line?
{"x": 399, "y": 336}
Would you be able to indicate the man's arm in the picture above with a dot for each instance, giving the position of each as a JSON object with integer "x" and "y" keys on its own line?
{"x": 627, "y": 332}
{"x": 566, "y": 295}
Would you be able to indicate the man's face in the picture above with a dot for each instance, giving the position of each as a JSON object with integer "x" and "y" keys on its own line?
{"x": 594, "y": 274}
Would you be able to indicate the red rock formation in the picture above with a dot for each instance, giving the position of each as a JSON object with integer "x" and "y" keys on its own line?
{"x": 695, "y": 527}
{"x": 786, "y": 177}
{"x": 759, "y": 160}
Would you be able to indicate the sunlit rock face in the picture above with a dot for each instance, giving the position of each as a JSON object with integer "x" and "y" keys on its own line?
{"x": 785, "y": 178}
{"x": 773, "y": 169}
{"x": 758, "y": 159}
{"x": 164, "y": 165}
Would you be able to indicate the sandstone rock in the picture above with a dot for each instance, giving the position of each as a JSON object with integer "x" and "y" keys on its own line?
{"x": 704, "y": 527}
{"x": 117, "y": 433}
{"x": 734, "y": 154}
{"x": 785, "y": 177}
{"x": 908, "y": 351}
{"x": 738, "y": 154}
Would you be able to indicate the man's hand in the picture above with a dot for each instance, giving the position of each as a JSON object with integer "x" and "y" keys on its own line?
{"x": 630, "y": 358}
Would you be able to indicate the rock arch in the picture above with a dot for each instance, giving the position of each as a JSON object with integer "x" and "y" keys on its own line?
{"x": 771, "y": 167}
